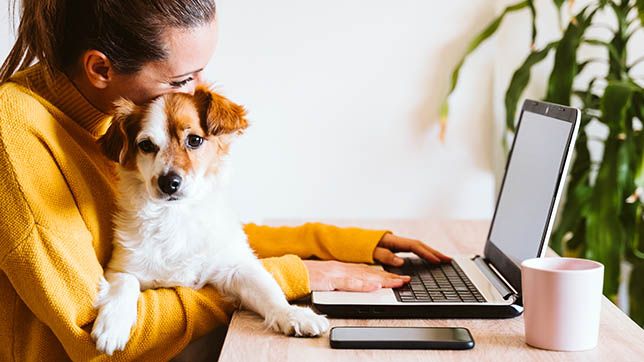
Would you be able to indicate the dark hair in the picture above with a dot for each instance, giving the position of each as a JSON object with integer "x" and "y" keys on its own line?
{"x": 129, "y": 33}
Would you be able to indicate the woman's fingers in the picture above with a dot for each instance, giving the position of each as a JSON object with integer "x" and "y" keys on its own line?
{"x": 437, "y": 253}
{"x": 395, "y": 281}
{"x": 396, "y": 243}
{"x": 419, "y": 248}
{"x": 368, "y": 279}
{"x": 352, "y": 284}
{"x": 350, "y": 277}
{"x": 386, "y": 256}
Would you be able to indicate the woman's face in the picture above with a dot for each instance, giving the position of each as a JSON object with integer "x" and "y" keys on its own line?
{"x": 189, "y": 51}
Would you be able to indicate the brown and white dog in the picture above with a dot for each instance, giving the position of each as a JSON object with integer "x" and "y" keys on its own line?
{"x": 174, "y": 226}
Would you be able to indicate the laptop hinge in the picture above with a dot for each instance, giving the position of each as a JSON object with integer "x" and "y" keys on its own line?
{"x": 491, "y": 274}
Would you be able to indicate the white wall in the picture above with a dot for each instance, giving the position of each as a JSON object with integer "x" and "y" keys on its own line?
{"x": 343, "y": 99}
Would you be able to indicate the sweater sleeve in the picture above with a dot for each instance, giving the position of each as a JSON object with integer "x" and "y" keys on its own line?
{"x": 290, "y": 273}
{"x": 315, "y": 240}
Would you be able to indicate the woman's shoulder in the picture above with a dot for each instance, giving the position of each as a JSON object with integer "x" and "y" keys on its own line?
{"x": 18, "y": 103}
{"x": 12, "y": 91}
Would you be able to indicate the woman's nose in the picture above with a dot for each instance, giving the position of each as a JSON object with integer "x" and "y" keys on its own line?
{"x": 195, "y": 82}
{"x": 190, "y": 86}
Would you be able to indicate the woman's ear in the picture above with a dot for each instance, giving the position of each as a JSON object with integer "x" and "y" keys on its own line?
{"x": 114, "y": 142}
{"x": 218, "y": 114}
{"x": 97, "y": 67}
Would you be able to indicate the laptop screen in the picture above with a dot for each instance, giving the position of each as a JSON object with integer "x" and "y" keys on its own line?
{"x": 530, "y": 186}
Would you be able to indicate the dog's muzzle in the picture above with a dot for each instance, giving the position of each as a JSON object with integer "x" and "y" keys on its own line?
{"x": 169, "y": 183}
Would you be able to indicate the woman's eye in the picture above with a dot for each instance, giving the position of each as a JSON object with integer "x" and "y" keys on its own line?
{"x": 181, "y": 83}
{"x": 147, "y": 146}
{"x": 194, "y": 141}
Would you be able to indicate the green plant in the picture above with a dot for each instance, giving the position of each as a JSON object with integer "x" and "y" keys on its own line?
{"x": 601, "y": 215}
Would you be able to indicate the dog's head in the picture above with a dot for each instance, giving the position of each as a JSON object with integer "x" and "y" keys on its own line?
{"x": 174, "y": 142}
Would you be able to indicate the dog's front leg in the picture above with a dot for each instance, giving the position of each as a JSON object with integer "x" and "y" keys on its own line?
{"x": 116, "y": 301}
{"x": 258, "y": 291}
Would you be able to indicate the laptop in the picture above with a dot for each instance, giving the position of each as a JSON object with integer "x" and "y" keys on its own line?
{"x": 487, "y": 285}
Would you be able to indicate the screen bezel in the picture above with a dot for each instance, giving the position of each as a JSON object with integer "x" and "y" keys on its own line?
{"x": 511, "y": 271}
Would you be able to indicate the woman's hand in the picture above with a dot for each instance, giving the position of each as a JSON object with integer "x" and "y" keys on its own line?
{"x": 390, "y": 244}
{"x": 352, "y": 277}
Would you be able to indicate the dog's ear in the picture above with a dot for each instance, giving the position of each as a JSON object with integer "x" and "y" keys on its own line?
{"x": 114, "y": 143}
{"x": 218, "y": 114}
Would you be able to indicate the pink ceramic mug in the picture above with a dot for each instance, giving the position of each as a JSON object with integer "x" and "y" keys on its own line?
{"x": 562, "y": 300}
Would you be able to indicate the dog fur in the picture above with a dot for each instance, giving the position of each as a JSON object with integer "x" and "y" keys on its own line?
{"x": 189, "y": 237}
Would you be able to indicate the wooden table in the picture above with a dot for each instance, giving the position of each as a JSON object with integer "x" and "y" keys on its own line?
{"x": 620, "y": 339}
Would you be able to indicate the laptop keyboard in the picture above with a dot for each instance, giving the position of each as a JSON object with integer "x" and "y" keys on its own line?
{"x": 444, "y": 283}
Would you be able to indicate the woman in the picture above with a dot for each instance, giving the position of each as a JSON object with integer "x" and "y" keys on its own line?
{"x": 58, "y": 194}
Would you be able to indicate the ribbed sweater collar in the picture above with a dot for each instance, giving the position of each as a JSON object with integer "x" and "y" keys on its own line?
{"x": 63, "y": 94}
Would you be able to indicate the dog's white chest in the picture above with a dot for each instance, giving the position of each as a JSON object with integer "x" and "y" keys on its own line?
{"x": 180, "y": 247}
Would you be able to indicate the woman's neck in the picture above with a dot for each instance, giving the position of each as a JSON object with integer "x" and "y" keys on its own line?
{"x": 95, "y": 96}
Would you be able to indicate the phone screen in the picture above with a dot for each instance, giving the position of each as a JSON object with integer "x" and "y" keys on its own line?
{"x": 401, "y": 337}
{"x": 401, "y": 334}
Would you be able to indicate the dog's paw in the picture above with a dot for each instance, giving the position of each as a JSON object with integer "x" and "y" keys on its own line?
{"x": 112, "y": 326}
{"x": 111, "y": 329}
{"x": 298, "y": 321}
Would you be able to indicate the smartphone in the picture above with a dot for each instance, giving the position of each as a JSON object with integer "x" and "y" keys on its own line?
{"x": 401, "y": 338}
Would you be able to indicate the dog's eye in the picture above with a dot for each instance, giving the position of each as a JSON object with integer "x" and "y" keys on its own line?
{"x": 147, "y": 146}
{"x": 194, "y": 141}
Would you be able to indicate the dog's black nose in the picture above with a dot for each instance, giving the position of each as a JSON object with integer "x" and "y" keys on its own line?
{"x": 169, "y": 183}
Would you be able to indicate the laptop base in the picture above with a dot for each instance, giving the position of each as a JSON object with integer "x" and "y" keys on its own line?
{"x": 438, "y": 311}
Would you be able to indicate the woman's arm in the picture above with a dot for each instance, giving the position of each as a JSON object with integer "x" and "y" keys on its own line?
{"x": 346, "y": 244}
{"x": 317, "y": 240}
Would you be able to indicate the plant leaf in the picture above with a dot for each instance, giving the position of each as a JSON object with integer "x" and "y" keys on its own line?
{"x": 565, "y": 67}
{"x": 573, "y": 213}
{"x": 605, "y": 234}
{"x": 533, "y": 14}
{"x": 638, "y": 178}
{"x": 558, "y": 3}
{"x": 640, "y": 9}
{"x": 639, "y": 175}
{"x": 636, "y": 254}
{"x": 519, "y": 81}
{"x": 480, "y": 38}
{"x": 636, "y": 293}
{"x": 615, "y": 104}
{"x": 612, "y": 51}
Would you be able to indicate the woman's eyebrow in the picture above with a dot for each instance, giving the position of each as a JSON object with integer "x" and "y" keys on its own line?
{"x": 183, "y": 75}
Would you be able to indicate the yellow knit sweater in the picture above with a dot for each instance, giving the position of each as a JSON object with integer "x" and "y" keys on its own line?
{"x": 56, "y": 202}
